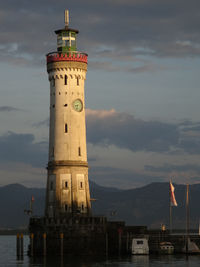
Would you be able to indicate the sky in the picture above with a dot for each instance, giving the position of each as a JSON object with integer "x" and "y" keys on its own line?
{"x": 142, "y": 89}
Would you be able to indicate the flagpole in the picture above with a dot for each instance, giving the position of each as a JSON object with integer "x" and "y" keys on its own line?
{"x": 31, "y": 208}
{"x": 187, "y": 216}
{"x": 170, "y": 217}
{"x": 170, "y": 211}
{"x": 172, "y": 202}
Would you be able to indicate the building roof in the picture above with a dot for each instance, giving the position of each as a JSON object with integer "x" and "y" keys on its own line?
{"x": 66, "y": 29}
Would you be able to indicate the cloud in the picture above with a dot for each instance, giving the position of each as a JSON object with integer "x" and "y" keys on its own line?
{"x": 22, "y": 148}
{"x": 19, "y": 172}
{"x": 8, "y": 109}
{"x": 170, "y": 167}
{"x": 120, "y": 178}
{"x": 109, "y": 127}
{"x": 132, "y": 28}
{"x": 112, "y": 67}
{"x": 123, "y": 130}
{"x": 191, "y": 144}
{"x": 179, "y": 173}
{"x": 41, "y": 123}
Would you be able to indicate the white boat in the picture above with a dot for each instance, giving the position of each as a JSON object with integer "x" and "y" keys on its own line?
{"x": 191, "y": 247}
{"x": 140, "y": 246}
{"x": 166, "y": 248}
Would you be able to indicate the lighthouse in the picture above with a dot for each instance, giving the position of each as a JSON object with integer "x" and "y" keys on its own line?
{"x": 68, "y": 227}
{"x": 67, "y": 191}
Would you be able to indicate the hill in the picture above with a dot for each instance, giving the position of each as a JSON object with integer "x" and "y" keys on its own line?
{"x": 148, "y": 205}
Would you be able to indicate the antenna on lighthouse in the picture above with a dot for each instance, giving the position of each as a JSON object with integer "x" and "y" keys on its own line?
{"x": 66, "y": 18}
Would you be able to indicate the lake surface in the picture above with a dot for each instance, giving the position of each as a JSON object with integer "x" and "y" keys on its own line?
{"x": 8, "y": 258}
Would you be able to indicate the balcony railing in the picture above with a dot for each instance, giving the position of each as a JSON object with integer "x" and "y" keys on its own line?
{"x": 67, "y": 56}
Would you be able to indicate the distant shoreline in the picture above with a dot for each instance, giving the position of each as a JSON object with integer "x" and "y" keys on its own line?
{"x": 13, "y": 231}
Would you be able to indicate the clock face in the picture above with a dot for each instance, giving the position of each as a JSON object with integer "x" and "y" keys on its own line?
{"x": 78, "y": 105}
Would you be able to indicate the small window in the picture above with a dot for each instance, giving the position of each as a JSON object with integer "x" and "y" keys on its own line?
{"x": 66, "y": 207}
{"x": 66, "y": 184}
{"x": 82, "y": 207}
{"x": 51, "y": 186}
{"x": 73, "y": 43}
{"x": 81, "y": 184}
{"x": 77, "y": 81}
{"x": 65, "y": 79}
{"x": 65, "y": 105}
{"x": 66, "y": 128}
{"x": 79, "y": 151}
{"x": 53, "y": 82}
{"x": 66, "y": 34}
{"x": 139, "y": 242}
{"x": 67, "y": 43}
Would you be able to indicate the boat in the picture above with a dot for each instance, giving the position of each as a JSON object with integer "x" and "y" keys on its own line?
{"x": 140, "y": 246}
{"x": 166, "y": 248}
{"x": 191, "y": 247}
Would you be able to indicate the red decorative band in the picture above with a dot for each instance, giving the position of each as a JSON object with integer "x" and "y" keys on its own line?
{"x": 68, "y": 56}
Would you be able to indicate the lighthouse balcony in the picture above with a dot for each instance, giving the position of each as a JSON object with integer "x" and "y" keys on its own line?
{"x": 67, "y": 56}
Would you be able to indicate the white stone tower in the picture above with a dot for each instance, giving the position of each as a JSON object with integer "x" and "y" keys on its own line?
{"x": 67, "y": 192}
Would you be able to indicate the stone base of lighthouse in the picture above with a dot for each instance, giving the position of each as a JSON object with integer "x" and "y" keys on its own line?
{"x": 67, "y": 192}
{"x": 78, "y": 235}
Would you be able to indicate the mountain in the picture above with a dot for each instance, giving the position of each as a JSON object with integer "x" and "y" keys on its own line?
{"x": 14, "y": 198}
{"x": 148, "y": 205}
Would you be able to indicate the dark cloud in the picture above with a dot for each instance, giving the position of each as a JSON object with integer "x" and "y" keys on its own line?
{"x": 195, "y": 179}
{"x": 120, "y": 178}
{"x": 105, "y": 128}
{"x": 123, "y": 130}
{"x": 22, "y": 148}
{"x": 170, "y": 167}
{"x": 112, "y": 67}
{"x": 190, "y": 144}
{"x": 8, "y": 109}
{"x": 189, "y": 126}
{"x": 130, "y": 28}
{"x": 108, "y": 127}
{"x": 41, "y": 123}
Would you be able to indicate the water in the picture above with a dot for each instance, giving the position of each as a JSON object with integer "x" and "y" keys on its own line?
{"x": 8, "y": 258}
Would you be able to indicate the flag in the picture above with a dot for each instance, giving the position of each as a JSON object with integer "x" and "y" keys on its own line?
{"x": 172, "y": 196}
